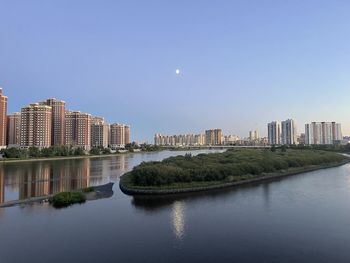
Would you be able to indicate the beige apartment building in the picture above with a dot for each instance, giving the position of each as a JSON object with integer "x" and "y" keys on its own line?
{"x": 13, "y": 129}
{"x": 58, "y": 120}
{"x": 119, "y": 135}
{"x": 78, "y": 129}
{"x": 213, "y": 137}
{"x": 99, "y": 132}
{"x": 36, "y": 126}
{"x": 3, "y": 119}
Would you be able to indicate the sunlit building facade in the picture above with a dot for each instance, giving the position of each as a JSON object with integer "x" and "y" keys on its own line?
{"x": 3, "y": 119}
{"x": 36, "y": 126}
{"x": 58, "y": 120}
{"x": 99, "y": 132}
{"x": 78, "y": 129}
{"x": 213, "y": 137}
{"x": 119, "y": 135}
{"x": 253, "y": 135}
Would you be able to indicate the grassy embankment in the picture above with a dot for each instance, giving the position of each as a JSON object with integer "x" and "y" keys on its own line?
{"x": 228, "y": 168}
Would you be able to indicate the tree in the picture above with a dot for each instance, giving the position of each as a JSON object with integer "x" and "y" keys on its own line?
{"x": 273, "y": 148}
{"x": 79, "y": 151}
{"x": 34, "y": 151}
{"x": 284, "y": 148}
{"x": 15, "y": 153}
{"x": 106, "y": 151}
{"x": 95, "y": 151}
{"x": 47, "y": 152}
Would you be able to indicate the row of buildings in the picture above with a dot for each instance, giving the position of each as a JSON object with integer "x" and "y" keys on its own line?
{"x": 279, "y": 133}
{"x": 284, "y": 132}
{"x": 49, "y": 123}
{"x": 316, "y": 133}
{"x": 210, "y": 137}
{"x": 323, "y": 133}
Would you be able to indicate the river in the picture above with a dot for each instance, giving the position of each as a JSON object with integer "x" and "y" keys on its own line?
{"x": 301, "y": 218}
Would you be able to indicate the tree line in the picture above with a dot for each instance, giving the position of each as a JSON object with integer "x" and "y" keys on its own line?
{"x": 61, "y": 151}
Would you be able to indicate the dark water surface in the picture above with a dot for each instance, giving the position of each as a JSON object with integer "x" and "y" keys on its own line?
{"x": 303, "y": 218}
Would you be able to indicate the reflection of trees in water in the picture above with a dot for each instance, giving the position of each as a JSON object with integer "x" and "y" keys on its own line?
{"x": 119, "y": 165}
{"x": 32, "y": 179}
{"x": 154, "y": 203}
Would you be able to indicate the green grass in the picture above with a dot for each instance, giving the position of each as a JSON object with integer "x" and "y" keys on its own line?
{"x": 65, "y": 199}
{"x": 219, "y": 168}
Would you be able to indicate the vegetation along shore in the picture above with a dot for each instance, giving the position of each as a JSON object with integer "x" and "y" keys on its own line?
{"x": 15, "y": 154}
{"x": 189, "y": 173}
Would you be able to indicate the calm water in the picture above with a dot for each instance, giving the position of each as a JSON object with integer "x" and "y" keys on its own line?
{"x": 304, "y": 218}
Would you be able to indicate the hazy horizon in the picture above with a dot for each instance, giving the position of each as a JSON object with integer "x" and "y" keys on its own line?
{"x": 241, "y": 64}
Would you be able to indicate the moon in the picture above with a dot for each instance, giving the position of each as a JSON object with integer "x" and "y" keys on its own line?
{"x": 177, "y": 71}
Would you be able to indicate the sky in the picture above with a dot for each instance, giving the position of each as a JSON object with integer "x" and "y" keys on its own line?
{"x": 242, "y": 63}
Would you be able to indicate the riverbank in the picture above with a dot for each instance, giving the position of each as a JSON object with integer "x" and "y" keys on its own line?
{"x": 97, "y": 192}
{"x": 207, "y": 186}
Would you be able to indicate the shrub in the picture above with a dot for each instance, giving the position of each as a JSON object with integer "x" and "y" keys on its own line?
{"x": 65, "y": 199}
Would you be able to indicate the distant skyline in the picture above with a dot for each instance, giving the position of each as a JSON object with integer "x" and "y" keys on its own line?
{"x": 242, "y": 64}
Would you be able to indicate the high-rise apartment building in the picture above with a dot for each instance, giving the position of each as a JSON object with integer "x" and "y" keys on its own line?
{"x": 119, "y": 135}
{"x": 274, "y": 132}
{"x": 99, "y": 132}
{"x": 13, "y": 129}
{"x": 58, "y": 120}
{"x": 36, "y": 126}
{"x": 78, "y": 129}
{"x": 322, "y": 133}
{"x": 3, "y": 119}
{"x": 253, "y": 135}
{"x": 213, "y": 137}
{"x": 337, "y": 132}
{"x": 199, "y": 139}
{"x": 230, "y": 139}
{"x": 127, "y": 134}
{"x": 289, "y": 134}
{"x": 209, "y": 137}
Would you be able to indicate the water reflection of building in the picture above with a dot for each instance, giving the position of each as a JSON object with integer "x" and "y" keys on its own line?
{"x": 99, "y": 171}
{"x": 119, "y": 165}
{"x": 35, "y": 181}
{"x": 45, "y": 178}
{"x": 74, "y": 175}
{"x": 178, "y": 219}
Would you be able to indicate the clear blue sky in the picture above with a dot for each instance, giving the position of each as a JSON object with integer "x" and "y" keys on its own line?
{"x": 243, "y": 63}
